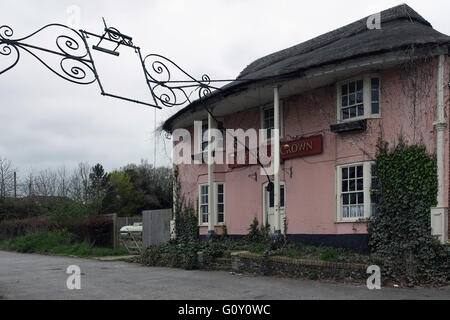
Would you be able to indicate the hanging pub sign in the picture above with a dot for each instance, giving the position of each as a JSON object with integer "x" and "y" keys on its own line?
{"x": 292, "y": 149}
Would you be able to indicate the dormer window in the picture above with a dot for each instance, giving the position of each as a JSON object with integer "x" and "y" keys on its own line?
{"x": 358, "y": 98}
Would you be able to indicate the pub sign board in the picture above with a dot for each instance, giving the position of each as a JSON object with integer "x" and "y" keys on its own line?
{"x": 292, "y": 149}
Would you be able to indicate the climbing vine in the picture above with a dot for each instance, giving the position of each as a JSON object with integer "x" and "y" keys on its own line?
{"x": 400, "y": 231}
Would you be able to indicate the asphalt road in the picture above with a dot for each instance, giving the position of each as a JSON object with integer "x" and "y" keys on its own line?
{"x": 30, "y": 276}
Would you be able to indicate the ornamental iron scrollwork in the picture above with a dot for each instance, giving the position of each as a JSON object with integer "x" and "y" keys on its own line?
{"x": 169, "y": 85}
{"x": 70, "y": 47}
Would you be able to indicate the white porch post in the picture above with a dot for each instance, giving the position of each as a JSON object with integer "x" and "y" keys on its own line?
{"x": 439, "y": 215}
{"x": 276, "y": 158}
{"x": 211, "y": 191}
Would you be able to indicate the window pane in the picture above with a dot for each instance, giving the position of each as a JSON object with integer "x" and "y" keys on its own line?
{"x": 220, "y": 208}
{"x": 360, "y": 211}
{"x": 352, "y": 112}
{"x": 359, "y": 97}
{"x": 345, "y": 199}
{"x": 360, "y": 197}
{"x": 360, "y": 185}
{"x": 375, "y": 95}
{"x": 351, "y": 185}
{"x": 360, "y": 110}
{"x": 375, "y": 108}
{"x": 344, "y": 89}
{"x": 220, "y": 188}
{"x": 344, "y": 101}
{"x": 345, "y": 114}
{"x": 353, "y": 211}
{"x": 351, "y": 172}
{"x": 351, "y": 99}
{"x": 359, "y": 85}
{"x": 345, "y": 212}
{"x": 375, "y": 83}
{"x": 220, "y": 218}
{"x": 351, "y": 87}
{"x": 220, "y": 198}
{"x": 359, "y": 171}
{"x": 353, "y": 198}
{"x": 344, "y": 186}
{"x": 344, "y": 173}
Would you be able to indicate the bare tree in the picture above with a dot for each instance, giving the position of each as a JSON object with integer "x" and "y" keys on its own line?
{"x": 79, "y": 183}
{"x": 6, "y": 178}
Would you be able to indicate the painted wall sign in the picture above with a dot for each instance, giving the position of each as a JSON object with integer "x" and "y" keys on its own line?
{"x": 292, "y": 149}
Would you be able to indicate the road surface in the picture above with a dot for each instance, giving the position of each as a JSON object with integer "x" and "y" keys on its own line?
{"x": 31, "y": 276}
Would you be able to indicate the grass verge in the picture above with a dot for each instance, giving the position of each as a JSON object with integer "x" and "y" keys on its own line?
{"x": 57, "y": 242}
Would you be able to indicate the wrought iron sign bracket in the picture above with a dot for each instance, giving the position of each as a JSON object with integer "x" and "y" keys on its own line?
{"x": 77, "y": 65}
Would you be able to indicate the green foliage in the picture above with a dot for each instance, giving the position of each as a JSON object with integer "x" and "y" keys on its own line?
{"x": 400, "y": 232}
{"x": 186, "y": 221}
{"x": 257, "y": 233}
{"x": 175, "y": 255}
{"x": 96, "y": 230}
{"x": 135, "y": 188}
{"x": 56, "y": 242}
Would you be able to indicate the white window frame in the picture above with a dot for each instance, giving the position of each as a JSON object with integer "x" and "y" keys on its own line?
{"x": 200, "y": 204}
{"x": 200, "y": 142}
{"x": 367, "y": 98}
{"x": 367, "y": 179}
{"x": 216, "y": 198}
{"x": 270, "y": 106}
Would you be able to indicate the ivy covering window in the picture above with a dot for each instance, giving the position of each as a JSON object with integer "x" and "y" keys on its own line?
{"x": 354, "y": 185}
{"x": 358, "y": 98}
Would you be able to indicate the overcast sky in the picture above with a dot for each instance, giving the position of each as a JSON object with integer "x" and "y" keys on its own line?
{"x": 48, "y": 122}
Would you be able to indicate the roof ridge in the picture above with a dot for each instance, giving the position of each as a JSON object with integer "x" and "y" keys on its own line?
{"x": 400, "y": 12}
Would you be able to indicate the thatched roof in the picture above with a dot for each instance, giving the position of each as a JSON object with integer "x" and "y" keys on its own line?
{"x": 401, "y": 27}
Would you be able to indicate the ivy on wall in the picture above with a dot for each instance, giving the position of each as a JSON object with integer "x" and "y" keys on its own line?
{"x": 400, "y": 231}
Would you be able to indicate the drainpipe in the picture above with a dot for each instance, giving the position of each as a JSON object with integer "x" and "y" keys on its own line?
{"x": 211, "y": 203}
{"x": 439, "y": 215}
{"x": 276, "y": 158}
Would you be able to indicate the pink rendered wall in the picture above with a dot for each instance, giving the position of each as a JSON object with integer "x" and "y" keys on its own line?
{"x": 310, "y": 193}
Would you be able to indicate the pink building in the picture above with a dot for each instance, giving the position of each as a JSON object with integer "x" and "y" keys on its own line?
{"x": 339, "y": 93}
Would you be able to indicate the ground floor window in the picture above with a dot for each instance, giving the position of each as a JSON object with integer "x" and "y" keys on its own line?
{"x": 354, "y": 182}
{"x": 219, "y": 191}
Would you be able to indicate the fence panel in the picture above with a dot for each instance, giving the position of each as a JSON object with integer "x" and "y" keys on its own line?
{"x": 156, "y": 226}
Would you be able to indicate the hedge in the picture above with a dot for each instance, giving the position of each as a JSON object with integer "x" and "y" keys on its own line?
{"x": 94, "y": 230}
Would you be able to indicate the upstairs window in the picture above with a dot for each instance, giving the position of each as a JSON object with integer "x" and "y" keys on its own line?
{"x": 268, "y": 120}
{"x": 358, "y": 98}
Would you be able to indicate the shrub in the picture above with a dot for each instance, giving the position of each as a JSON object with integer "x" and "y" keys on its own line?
{"x": 400, "y": 232}
{"x": 20, "y": 227}
{"x": 175, "y": 255}
{"x": 94, "y": 230}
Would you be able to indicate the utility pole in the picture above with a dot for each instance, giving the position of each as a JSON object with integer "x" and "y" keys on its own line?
{"x": 15, "y": 184}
